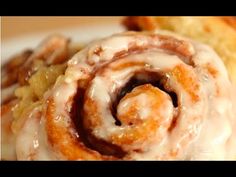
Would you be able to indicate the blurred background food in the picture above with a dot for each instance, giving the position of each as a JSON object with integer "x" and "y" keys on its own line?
{"x": 215, "y": 31}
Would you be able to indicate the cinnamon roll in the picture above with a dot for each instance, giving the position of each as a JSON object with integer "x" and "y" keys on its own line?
{"x": 133, "y": 96}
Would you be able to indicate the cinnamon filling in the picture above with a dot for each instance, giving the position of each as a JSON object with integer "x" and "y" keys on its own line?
{"x": 140, "y": 78}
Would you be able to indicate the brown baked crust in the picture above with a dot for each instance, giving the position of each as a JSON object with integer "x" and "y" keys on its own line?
{"x": 218, "y": 32}
{"x": 230, "y": 21}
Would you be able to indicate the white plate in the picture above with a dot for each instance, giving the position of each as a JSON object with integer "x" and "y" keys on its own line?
{"x": 80, "y": 34}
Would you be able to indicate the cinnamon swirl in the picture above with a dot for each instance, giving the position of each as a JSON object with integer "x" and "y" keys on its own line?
{"x": 134, "y": 96}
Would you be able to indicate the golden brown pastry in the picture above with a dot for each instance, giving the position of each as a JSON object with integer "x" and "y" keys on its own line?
{"x": 133, "y": 96}
{"x": 218, "y": 32}
{"x": 130, "y": 96}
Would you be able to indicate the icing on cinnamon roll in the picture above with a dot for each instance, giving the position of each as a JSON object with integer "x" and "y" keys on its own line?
{"x": 135, "y": 96}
